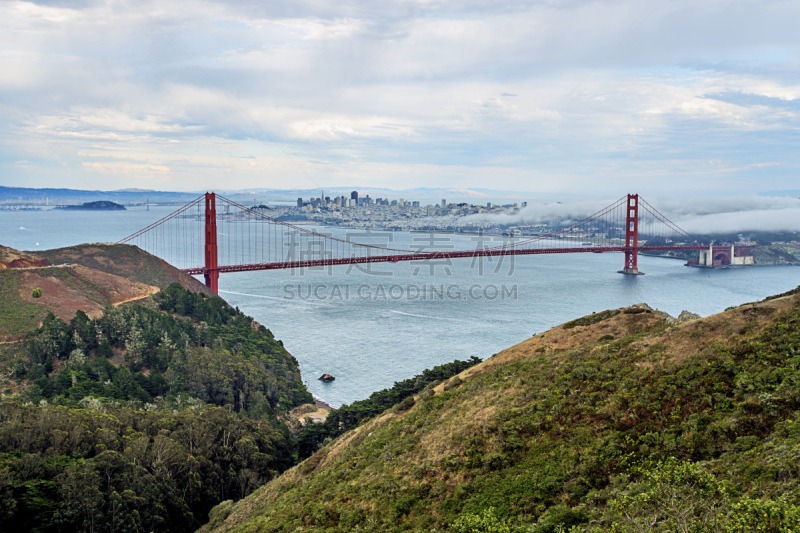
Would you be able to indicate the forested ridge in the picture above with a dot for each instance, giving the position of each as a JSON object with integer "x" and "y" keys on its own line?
{"x": 183, "y": 343}
{"x": 102, "y": 469}
{"x": 144, "y": 419}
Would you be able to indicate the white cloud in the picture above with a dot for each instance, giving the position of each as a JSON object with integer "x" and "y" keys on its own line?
{"x": 587, "y": 97}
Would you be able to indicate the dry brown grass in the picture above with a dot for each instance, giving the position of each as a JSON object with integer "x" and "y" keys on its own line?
{"x": 560, "y": 340}
{"x": 11, "y": 258}
{"x": 683, "y": 341}
{"x": 448, "y": 427}
{"x": 298, "y": 416}
{"x": 65, "y": 290}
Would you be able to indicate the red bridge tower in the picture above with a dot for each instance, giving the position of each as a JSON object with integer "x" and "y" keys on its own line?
{"x": 632, "y": 236}
{"x": 211, "y": 265}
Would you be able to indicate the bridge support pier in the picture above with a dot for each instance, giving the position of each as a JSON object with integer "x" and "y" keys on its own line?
{"x": 211, "y": 273}
{"x": 632, "y": 237}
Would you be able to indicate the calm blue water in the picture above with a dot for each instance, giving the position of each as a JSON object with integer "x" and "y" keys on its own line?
{"x": 370, "y": 329}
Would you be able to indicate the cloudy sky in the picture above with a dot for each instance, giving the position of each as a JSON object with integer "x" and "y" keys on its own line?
{"x": 670, "y": 97}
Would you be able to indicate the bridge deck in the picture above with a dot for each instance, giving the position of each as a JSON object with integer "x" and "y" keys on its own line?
{"x": 426, "y": 256}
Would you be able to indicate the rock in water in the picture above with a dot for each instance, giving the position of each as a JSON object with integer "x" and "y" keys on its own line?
{"x": 326, "y": 377}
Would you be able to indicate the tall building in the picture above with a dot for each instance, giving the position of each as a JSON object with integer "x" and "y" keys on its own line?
{"x": 354, "y": 196}
{"x": 300, "y": 202}
{"x": 444, "y": 202}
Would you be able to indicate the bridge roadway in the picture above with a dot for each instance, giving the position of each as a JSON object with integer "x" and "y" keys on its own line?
{"x": 426, "y": 256}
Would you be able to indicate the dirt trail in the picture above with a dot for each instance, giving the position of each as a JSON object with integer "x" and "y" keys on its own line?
{"x": 151, "y": 291}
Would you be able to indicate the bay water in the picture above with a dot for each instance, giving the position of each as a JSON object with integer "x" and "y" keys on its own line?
{"x": 370, "y": 326}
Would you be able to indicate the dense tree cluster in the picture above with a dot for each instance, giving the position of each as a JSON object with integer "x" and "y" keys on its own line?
{"x": 100, "y": 469}
{"x": 146, "y": 418}
{"x": 191, "y": 345}
{"x": 348, "y": 417}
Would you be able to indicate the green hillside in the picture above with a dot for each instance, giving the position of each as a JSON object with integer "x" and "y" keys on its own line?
{"x": 16, "y": 315}
{"x": 619, "y": 421}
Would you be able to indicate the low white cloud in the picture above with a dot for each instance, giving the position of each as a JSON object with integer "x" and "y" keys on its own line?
{"x": 696, "y": 215}
{"x": 743, "y": 221}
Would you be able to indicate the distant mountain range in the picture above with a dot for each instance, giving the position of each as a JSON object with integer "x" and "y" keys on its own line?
{"x": 26, "y": 196}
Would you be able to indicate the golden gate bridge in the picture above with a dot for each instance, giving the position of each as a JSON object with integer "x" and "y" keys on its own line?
{"x": 200, "y": 239}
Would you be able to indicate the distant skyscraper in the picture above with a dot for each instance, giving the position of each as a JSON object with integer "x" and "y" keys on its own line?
{"x": 354, "y": 195}
{"x": 299, "y": 202}
{"x": 444, "y": 202}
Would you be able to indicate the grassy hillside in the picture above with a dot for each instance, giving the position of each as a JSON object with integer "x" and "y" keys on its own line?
{"x": 11, "y": 258}
{"x": 124, "y": 260}
{"x": 619, "y": 421}
{"x": 29, "y": 294}
{"x": 96, "y": 276}
{"x": 17, "y": 316}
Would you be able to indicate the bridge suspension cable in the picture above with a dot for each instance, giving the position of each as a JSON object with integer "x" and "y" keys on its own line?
{"x": 213, "y": 234}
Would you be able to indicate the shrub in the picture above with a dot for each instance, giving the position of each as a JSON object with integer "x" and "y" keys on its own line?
{"x": 764, "y": 516}
{"x": 677, "y": 493}
{"x": 406, "y": 404}
{"x": 37, "y": 293}
{"x": 453, "y": 383}
{"x": 487, "y": 522}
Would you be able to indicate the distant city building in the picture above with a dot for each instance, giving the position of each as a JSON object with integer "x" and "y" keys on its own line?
{"x": 524, "y": 204}
{"x": 299, "y": 202}
{"x": 444, "y": 202}
{"x": 354, "y": 196}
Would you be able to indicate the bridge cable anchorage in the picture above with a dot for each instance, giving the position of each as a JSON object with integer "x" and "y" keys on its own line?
{"x": 216, "y": 241}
